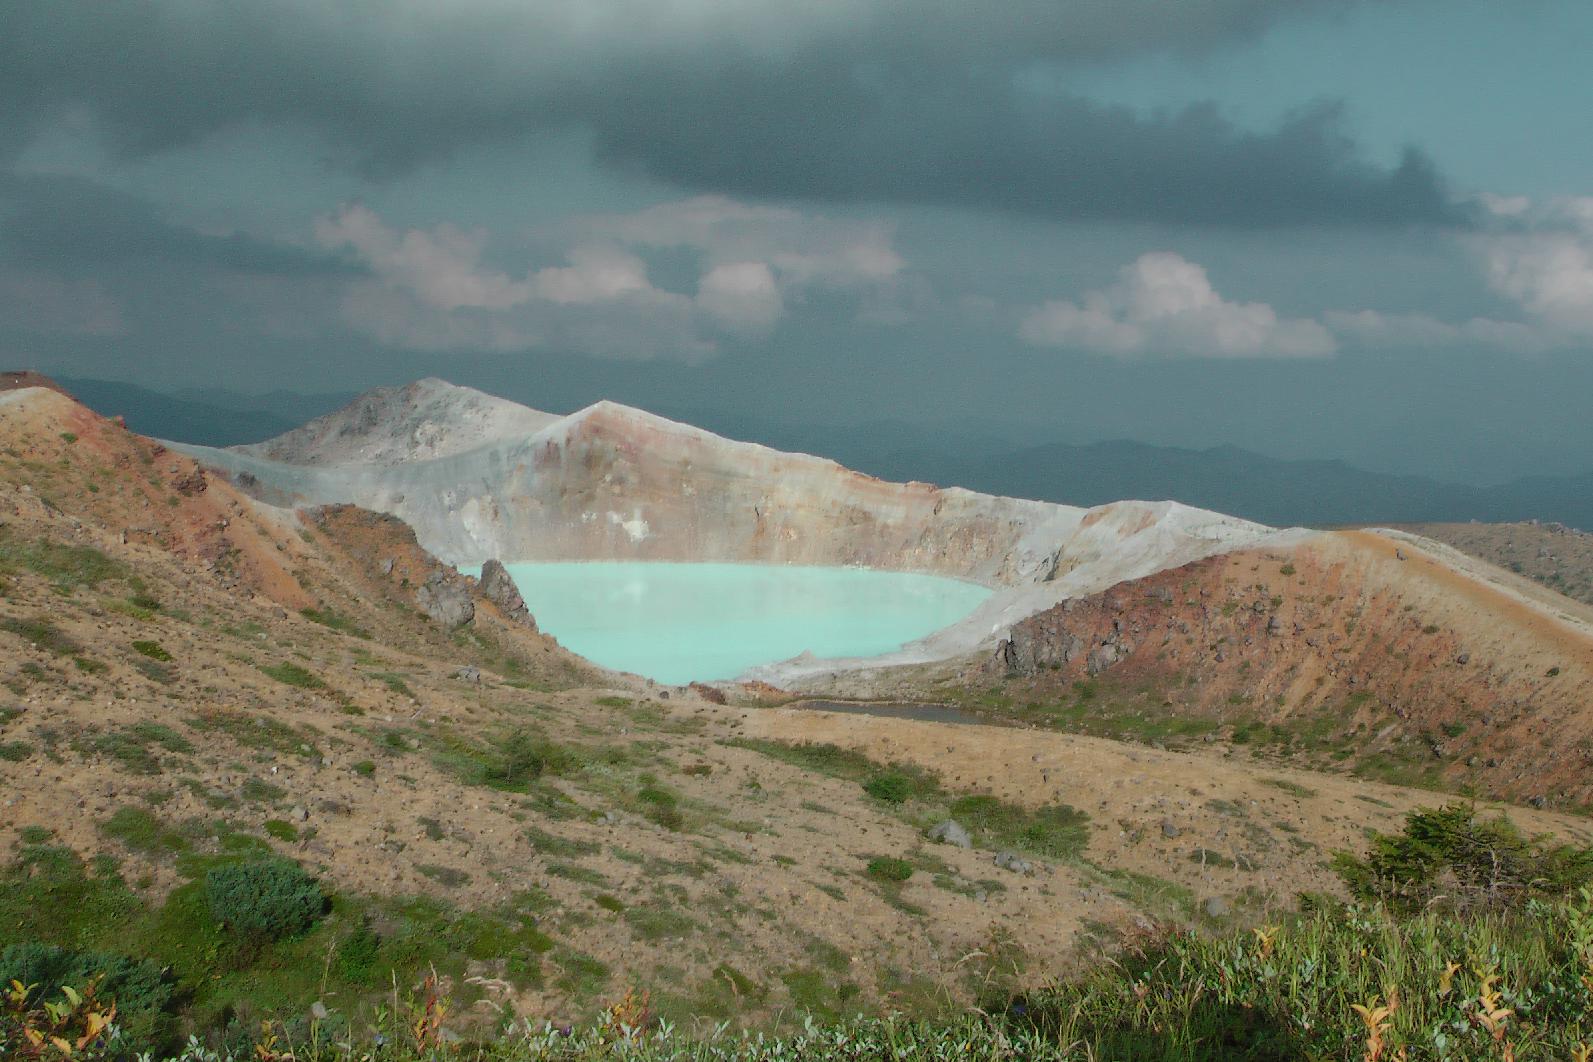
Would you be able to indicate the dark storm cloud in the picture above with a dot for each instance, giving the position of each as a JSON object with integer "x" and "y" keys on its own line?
{"x": 881, "y": 100}
{"x": 976, "y": 142}
{"x": 68, "y": 224}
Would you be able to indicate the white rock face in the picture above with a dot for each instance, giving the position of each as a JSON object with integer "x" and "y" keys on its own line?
{"x": 478, "y": 477}
{"x": 426, "y": 420}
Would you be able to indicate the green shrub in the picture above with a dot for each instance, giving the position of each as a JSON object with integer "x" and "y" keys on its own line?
{"x": 264, "y": 900}
{"x": 522, "y": 757}
{"x": 889, "y": 868}
{"x": 1452, "y": 857}
{"x": 893, "y": 787}
{"x": 152, "y": 650}
{"x": 282, "y": 830}
{"x": 140, "y": 988}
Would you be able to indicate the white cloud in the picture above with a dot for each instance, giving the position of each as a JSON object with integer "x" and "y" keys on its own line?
{"x": 1164, "y": 304}
{"x": 1543, "y": 260}
{"x": 595, "y": 274}
{"x": 430, "y": 290}
{"x": 441, "y": 267}
{"x": 742, "y": 295}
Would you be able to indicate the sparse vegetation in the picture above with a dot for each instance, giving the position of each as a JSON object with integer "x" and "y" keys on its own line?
{"x": 328, "y": 618}
{"x": 291, "y": 674}
{"x": 889, "y": 868}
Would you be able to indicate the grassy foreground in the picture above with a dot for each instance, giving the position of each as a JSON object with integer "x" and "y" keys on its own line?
{"x": 1467, "y": 941}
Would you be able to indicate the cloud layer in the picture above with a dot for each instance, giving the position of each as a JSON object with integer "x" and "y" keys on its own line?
{"x": 1164, "y": 305}
{"x": 846, "y": 100}
{"x": 430, "y": 289}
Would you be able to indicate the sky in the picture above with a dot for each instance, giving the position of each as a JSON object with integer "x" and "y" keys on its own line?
{"x": 1312, "y": 228}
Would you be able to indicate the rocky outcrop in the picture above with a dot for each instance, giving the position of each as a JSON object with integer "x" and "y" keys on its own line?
{"x": 446, "y": 600}
{"x": 498, "y": 587}
{"x": 1031, "y": 647}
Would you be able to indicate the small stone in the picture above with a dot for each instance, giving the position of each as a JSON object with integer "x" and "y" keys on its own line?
{"x": 318, "y": 1011}
{"x": 1169, "y": 830}
{"x": 1014, "y": 862}
{"x": 951, "y": 832}
{"x": 468, "y": 674}
{"x": 1215, "y": 907}
{"x": 299, "y": 813}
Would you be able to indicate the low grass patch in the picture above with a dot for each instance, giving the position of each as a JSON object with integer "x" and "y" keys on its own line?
{"x": 142, "y": 832}
{"x": 337, "y": 622}
{"x": 1294, "y": 789}
{"x": 1057, "y": 831}
{"x": 291, "y": 674}
{"x": 66, "y": 567}
{"x": 42, "y": 634}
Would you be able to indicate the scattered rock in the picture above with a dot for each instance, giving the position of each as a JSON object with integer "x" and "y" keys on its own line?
{"x": 1169, "y": 830}
{"x": 318, "y": 1011}
{"x": 299, "y": 813}
{"x": 1014, "y": 862}
{"x": 1215, "y": 907}
{"x": 951, "y": 832}
{"x": 468, "y": 674}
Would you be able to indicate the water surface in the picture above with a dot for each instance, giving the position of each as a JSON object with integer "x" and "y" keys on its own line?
{"x": 681, "y": 622}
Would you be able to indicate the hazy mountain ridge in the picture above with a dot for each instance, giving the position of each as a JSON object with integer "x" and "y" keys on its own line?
{"x": 1269, "y": 490}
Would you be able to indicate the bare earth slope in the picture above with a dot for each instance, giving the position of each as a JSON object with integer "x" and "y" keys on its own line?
{"x": 191, "y": 676}
{"x": 1555, "y": 555}
{"x": 1386, "y": 654}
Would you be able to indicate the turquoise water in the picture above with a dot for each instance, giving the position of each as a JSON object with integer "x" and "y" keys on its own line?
{"x": 680, "y": 622}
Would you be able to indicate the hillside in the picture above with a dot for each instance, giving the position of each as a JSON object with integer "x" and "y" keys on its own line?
{"x": 1392, "y": 658}
{"x": 1557, "y": 556}
{"x": 207, "y": 679}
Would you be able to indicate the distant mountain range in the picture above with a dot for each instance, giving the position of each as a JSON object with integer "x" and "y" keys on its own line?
{"x": 1225, "y": 479}
{"x": 215, "y": 418}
